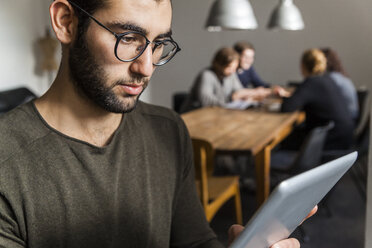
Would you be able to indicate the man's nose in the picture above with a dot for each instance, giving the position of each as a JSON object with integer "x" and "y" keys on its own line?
{"x": 143, "y": 64}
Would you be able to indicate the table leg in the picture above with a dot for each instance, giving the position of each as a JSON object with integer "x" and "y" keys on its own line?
{"x": 262, "y": 166}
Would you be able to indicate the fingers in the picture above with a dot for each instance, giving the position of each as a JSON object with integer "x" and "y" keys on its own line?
{"x": 287, "y": 243}
{"x": 312, "y": 212}
{"x": 234, "y": 232}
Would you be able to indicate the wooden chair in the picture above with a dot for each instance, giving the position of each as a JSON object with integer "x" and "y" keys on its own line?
{"x": 214, "y": 191}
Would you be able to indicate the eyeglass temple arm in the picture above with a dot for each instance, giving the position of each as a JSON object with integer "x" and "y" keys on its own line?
{"x": 94, "y": 19}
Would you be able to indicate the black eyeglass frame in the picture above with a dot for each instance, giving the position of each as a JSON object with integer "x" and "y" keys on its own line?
{"x": 121, "y": 35}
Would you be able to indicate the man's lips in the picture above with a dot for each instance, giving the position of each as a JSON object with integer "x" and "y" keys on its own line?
{"x": 132, "y": 89}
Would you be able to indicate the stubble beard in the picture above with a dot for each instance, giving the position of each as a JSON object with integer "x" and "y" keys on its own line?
{"x": 89, "y": 79}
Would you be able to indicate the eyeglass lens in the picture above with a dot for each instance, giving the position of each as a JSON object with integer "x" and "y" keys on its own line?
{"x": 132, "y": 44}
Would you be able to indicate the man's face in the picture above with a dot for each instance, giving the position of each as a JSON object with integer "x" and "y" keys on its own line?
{"x": 97, "y": 73}
{"x": 246, "y": 59}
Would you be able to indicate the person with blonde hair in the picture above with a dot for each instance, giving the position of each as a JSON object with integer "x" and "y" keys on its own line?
{"x": 322, "y": 101}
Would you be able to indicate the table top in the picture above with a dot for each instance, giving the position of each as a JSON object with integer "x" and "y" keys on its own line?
{"x": 238, "y": 130}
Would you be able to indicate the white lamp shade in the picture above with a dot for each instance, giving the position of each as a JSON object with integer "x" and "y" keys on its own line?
{"x": 231, "y": 15}
{"x": 286, "y": 16}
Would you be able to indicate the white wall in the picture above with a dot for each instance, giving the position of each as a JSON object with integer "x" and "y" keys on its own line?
{"x": 342, "y": 24}
{"x": 22, "y": 22}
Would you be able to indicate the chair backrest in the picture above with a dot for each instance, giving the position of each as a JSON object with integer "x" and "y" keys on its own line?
{"x": 204, "y": 164}
{"x": 178, "y": 99}
{"x": 310, "y": 154}
{"x": 10, "y": 99}
{"x": 364, "y": 112}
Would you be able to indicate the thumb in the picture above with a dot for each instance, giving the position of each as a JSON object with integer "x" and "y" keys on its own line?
{"x": 234, "y": 232}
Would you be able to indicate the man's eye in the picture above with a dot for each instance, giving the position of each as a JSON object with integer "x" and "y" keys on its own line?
{"x": 129, "y": 39}
{"x": 160, "y": 43}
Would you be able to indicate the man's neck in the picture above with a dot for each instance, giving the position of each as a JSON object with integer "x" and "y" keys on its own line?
{"x": 75, "y": 116}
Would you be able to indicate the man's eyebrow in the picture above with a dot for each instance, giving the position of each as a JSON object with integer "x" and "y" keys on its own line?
{"x": 133, "y": 27}
{"x": 165, "y": 35}
{"x": 128, "y": 26}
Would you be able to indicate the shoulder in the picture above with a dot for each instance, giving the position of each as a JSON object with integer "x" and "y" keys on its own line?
{"x": 316, "y": 81}
{"x": 340, "y": 79}
{"x": 232, "y": 79}
{"x": 157, "y": 113}
{"x": 207, "y": 75}
{"x": 208, "y": 72}
{"x": 162, "y": 125}
{"x": 18, "y": 129}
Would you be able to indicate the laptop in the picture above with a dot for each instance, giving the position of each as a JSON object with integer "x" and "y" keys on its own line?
{"x": 290, "y": 203}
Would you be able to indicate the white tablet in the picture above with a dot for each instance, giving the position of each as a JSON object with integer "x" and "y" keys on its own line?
{"x": 290, "y": 203}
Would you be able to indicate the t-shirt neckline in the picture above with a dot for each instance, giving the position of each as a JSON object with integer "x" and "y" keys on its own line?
{"x": 76, "y": 140}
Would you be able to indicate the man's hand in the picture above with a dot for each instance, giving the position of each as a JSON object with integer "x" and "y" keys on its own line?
{"x": 235, "y": 230}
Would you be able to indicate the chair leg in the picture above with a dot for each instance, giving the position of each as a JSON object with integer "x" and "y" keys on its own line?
{"x": 238, "y": 206}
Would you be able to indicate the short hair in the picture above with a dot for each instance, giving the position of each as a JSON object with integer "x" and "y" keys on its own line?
{"x": 333, "y": 61}
{"x": 224, "y": 57}
{"x": 314, "y": 61}
{"x": 90, "y": 6}
{"x": 243, "y": 45}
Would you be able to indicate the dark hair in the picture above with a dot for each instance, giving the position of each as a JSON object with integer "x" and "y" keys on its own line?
{"x": 333, "y": 61}
{"x": 243, "y": 45}
{"x": 224, "y": 57}
{"x": 90, "y": 6}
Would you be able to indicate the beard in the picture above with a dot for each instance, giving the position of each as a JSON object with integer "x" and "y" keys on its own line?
{"x": 90, "y": 80}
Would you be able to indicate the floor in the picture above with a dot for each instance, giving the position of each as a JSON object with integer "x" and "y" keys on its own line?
{"x": 344, "y": 228}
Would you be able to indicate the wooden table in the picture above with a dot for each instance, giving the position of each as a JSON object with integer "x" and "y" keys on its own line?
{"x": 241, "y": 132}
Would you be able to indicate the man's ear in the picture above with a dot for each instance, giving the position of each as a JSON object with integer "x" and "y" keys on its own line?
{"x": 64, "y": 21}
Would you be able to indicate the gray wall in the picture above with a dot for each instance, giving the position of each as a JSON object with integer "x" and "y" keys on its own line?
{"x": 342, "y": 24}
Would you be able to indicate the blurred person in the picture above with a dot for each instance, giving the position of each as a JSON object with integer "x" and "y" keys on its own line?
{"x": 322, "y": 101}
{"x": 337, "y": 72}
{"x": 219, "y": 85}
{"x": 246, "y": 72}
{"x": 248, "y": 75}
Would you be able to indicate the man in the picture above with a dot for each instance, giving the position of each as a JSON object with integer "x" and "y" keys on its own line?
{"x": 246, "y": 72}
{"x": 248, "y": 75}
{"x": 87, "y": 164}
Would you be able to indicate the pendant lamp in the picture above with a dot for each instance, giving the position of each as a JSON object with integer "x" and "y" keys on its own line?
{"x": 231, "y": 15}
{"x": 286, "y": 16}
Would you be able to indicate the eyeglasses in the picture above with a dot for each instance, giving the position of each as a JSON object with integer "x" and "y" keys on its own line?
{"x": 131, "y": 45}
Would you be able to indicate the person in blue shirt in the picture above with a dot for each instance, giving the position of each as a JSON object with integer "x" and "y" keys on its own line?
{"x": 337, "y": 72}
{"x": 246, "y": 72}
{"x": 248, "y": 75}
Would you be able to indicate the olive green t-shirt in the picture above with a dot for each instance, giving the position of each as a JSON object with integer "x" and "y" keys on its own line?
{"x": 137, "y": 191}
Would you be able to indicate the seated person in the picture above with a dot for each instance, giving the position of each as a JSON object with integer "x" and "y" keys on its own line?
{"x": 219, "y": 84}
{"x": 338, "y": 74}
{"x": 246, "y": 72}
{"x": 322, "y": 101}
